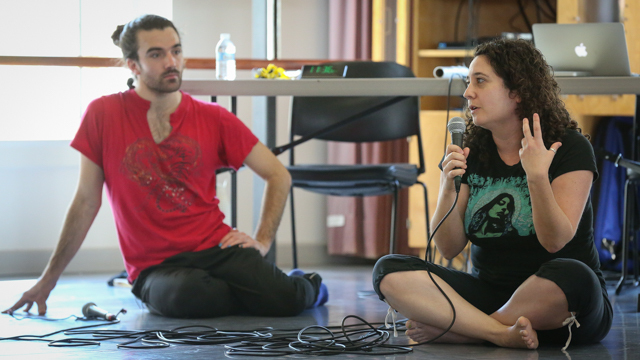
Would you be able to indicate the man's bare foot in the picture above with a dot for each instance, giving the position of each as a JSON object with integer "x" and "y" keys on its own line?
{"x": 521, "y": 335}
{"x": 420, "y": 332}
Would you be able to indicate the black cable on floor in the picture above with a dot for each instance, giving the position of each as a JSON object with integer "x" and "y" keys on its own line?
{"x": 75, "y": 342}
{"x": 362, "y": 338}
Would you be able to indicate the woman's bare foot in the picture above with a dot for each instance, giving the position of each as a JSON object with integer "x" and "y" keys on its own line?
{"x": 521, "y": 335}
{"x": 420, "y": 332}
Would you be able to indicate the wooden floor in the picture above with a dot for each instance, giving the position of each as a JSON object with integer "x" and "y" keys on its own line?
{"x": 343, "y": 282}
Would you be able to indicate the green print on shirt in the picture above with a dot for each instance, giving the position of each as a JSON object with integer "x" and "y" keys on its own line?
{"x": 498, "y": 207}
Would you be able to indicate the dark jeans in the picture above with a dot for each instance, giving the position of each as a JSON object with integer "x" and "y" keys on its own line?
{"x": 585, "y": 292}
{"x": 219, "y": 282}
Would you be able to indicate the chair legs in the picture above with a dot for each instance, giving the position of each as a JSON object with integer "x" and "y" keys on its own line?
{"x": 394, "y": 218}
{"x": 629, "y": 233}
{"x": 234, "y": 199}
{"x": 428, "y": 255}
{"x": 294, "y": 247}
{"x": 233, "y": 192}
{"x": 393, "y": 228}
{"x": 392, "y": 232}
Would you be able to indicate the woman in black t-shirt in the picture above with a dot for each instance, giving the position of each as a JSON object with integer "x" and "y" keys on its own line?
{"x": 524, "y": 205}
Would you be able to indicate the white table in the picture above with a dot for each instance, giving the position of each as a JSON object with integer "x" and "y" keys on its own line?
{"x": 389, "y": 87}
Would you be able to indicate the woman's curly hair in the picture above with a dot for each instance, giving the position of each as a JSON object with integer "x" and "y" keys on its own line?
{"x": 524, "y": 72}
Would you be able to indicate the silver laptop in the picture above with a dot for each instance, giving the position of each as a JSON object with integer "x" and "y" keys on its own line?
{"x": 593, "y": 49}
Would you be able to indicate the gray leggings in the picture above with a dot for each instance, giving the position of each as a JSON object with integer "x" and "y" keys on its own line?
{"x": 585, "y": 292}
{"x": 219, "y": 282}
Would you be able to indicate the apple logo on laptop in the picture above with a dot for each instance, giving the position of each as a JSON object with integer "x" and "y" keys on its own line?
{"x": 581, "y": 50}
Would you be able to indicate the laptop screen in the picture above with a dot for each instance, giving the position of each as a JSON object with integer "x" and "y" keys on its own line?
{"x": 592, "y": 49}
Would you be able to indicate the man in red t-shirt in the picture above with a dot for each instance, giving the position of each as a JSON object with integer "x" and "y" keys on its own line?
{"x": 157, "y": 150}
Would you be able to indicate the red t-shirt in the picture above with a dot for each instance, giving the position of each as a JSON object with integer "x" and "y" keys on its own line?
{"x": 163, "y": 196}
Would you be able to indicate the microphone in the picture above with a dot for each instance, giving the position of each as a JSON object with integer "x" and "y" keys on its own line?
{"x": 456, "y": 127}
{"x": 618, "y": 160}
{"x": 91, "y": 311}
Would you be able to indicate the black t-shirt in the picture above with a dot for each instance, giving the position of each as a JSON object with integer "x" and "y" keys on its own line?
{"x": 498, "y": 220}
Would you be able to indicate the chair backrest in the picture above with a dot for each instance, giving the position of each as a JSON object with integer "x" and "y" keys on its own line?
{"x": 396, "y": 121}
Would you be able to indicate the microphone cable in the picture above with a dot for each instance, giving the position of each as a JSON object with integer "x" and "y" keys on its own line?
{"x": 46, "y": 318}
{"x": 310, "y": 341}
{"x": 453, "y": 308}
{"x": 362, "y": 338}
{"x": 430, "y": 255}
{"x": 62, "y": 342}
{"x": 40, "y": 317}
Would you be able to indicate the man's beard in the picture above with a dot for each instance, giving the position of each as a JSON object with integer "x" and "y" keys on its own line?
{"x": 164, "y": 86}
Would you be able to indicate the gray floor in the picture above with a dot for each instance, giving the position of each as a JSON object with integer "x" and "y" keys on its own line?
{"x": 343, "y": 282}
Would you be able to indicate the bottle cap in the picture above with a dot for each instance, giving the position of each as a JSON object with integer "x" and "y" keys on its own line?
{"x": 224, "y": 36}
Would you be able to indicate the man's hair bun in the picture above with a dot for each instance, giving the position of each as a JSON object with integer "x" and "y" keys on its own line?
{"x": 116, "y": 35}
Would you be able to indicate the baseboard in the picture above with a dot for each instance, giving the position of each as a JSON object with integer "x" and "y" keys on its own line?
{"x": 32, "y": 262}
{"x": 309, "y": 255}
{"x": 315, "y": 255}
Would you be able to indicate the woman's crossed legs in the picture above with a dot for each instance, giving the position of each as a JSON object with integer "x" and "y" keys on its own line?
{"x": 505, "y": 318}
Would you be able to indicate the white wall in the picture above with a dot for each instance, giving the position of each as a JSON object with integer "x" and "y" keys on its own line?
{"x": 38, "y": 179}
{"x": 305, "y": 35}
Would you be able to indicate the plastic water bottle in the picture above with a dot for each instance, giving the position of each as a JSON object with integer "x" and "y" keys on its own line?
{"x": 225, "y": 58}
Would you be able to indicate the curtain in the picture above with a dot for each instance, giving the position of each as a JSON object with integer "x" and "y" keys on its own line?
{"x": 366, "y": 228}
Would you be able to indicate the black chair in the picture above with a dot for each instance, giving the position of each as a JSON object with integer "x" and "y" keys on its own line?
{"x": 357, "y": 119}
{"x": 629, "y": 233}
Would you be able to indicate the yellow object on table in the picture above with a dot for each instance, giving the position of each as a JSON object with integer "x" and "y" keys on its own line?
{"x": 271, "y": 72}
